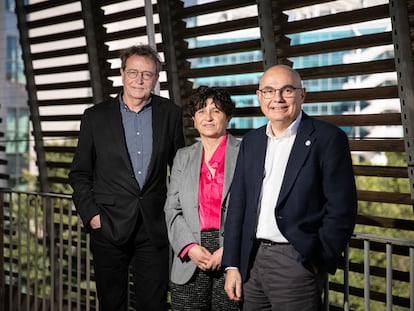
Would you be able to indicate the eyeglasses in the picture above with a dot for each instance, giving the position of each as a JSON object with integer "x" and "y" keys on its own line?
{"x": 287, "y": 91}
{"x": 146, "y": 75}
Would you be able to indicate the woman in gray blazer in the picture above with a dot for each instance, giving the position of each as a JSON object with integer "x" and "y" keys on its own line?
{"x": 196, "y": 205}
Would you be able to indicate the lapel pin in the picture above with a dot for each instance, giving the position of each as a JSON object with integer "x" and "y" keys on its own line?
{"x": 307, "y": 143}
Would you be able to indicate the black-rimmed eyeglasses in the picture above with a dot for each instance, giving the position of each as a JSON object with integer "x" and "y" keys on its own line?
{"x": 287, "y": 91}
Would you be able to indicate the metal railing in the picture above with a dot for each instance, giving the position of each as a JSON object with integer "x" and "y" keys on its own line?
{"x": 46, "y": 261}
{"x": 386, "y": 248}
{"x": 47, "y": 264}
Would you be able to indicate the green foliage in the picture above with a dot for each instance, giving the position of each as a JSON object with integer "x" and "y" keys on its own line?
{"x": 32, "y": 182}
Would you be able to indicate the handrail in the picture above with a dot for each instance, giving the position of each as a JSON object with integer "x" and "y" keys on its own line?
{"x": 390, "y": 242}
{"x": 46, "y": 256}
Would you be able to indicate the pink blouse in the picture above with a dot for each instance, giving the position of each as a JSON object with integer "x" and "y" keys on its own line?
{"x": 211, "y": 189}
{"x": 210, "y": 192}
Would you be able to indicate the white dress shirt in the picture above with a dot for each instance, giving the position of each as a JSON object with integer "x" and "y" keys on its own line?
{"x": 277, "y": 155}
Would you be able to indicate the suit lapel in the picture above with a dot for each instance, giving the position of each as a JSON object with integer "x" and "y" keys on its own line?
{"x": 195, "y": 156}
{"x": 157, "y": 123}
{"x": 229, "y": 164}
{"x": 300, "y": 151}
{"x": 257, "y": 159}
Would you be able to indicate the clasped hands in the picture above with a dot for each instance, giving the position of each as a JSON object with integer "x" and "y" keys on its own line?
{"x": 205, "y": 260}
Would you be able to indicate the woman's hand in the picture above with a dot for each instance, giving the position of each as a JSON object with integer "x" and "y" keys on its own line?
{"x": 201, "y": 257}
{"x": 215, "y": 260}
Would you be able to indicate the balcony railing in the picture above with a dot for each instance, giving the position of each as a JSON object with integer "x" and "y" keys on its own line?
{"x": 47, "y": 264}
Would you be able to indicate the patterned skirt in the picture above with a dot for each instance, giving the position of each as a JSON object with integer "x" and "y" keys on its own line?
{"x": 205, "y": 290}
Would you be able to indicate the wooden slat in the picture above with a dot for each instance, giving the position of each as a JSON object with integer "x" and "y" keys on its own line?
{"x": 330, "y": 46}
{"x": 390, "y": 145}
{"x": 78, "y": 33}
{"x": 381, "y": 171}
{"x": 52, "y": 20}
{"x": 125, "y": 15}
{"x": 64, "y": 101}
{"x": 289, "y": 4}
{"x": 61, "y": 149}
{"x": 212, "y": 7}
{"x": 57, "y": 118}
{"x": 64, "y": 165}
{"x": 222, "y": 49}
{"x": 44, "y": 5}
{"x": 385, "y": 197}
{"x": 363, "y": 119}
{"x": 371, "y": 93}
{"x": 63, "y": 85}
{"x": 58, "y": 180}
{"x": 338, "y": 19}
{"x": 220, "y": 70}
{"x": 61, "y": 69}
{"x": 346, "y": 70}
{"x": 390, "y": 223}
{"x": 59, "y": 53}
{"x": 128, "y": 33}
{"x": 217, "y": 28}
{"x": 60, "y": 133}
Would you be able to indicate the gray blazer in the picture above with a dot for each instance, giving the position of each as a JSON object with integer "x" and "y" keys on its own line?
{"x": 181, "y": 207}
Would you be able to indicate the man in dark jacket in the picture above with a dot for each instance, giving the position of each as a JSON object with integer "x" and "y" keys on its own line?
{"x": 119, "y": 177}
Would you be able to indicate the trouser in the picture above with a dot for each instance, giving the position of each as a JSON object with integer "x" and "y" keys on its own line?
{"x": 149, "y": 266}
{"x": 279, "y": 281}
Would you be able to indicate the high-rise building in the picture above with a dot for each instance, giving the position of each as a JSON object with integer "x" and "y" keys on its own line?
{"x": 13, "y": 99}
{"x": 335, "y": 58}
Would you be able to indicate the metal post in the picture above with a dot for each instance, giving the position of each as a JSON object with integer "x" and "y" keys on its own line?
{"x": 170, "y": 54}
{"x": 346, "y": 278}
{"x": 1, "y": 251}
{"x": 367, "y": 285}
{"x": 149, "y": 17}
{"x": 401, "y": 37}
{"x": 326, "y": 293}
{"x": 92, "y": 19}
{"x": 267, "y": 37}
{"x": 389, "y": 276}
{"x": 411, "y": 278}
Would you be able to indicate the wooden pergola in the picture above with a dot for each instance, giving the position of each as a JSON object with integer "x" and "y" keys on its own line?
{"x": 168, "y": 26}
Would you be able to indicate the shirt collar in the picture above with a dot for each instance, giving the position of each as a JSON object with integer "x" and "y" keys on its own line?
{"x": 290, "y": 131}
{"x": 219, "y": 154}
{"x": 125, "y": 107}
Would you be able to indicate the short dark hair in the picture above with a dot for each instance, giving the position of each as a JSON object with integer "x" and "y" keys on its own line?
{"x": 141, "y": 50}
{"x": 220, "y": 97}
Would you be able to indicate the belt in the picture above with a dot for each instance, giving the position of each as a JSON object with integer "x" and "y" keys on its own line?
{"x": 270, "y": 243}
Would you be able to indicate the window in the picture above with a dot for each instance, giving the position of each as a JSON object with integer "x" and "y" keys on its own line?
{"x": 17, "y": 130}
{"x": 10, "y": 5}
{"x": 17, "y": 142}
{"x": 14, "y": 62}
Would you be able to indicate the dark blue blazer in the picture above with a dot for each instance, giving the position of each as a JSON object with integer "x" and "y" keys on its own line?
{"x": 317, "y": 206}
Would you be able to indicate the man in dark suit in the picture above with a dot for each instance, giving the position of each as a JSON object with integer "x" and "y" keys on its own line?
{"x": 119, "y": 174}
{"x": 293, "y": 203}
